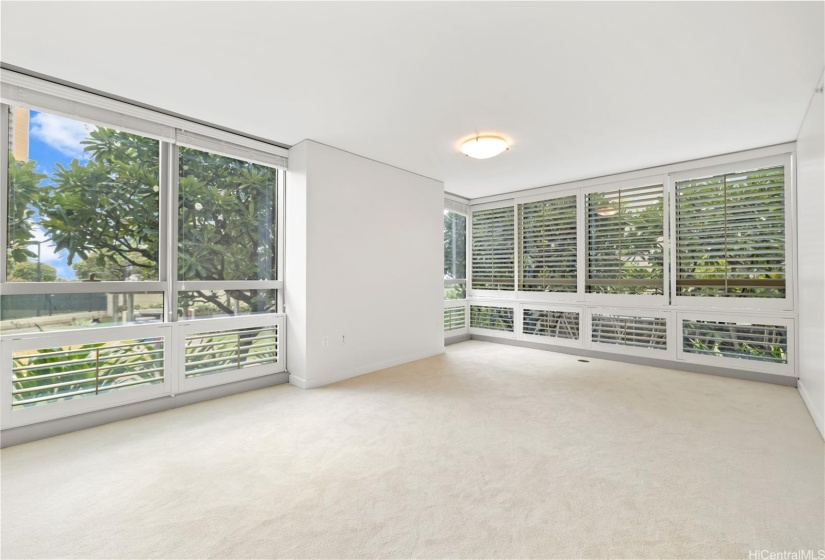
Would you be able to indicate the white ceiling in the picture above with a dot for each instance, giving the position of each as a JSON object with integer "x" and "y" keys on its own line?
{"x": 582, "y": 89}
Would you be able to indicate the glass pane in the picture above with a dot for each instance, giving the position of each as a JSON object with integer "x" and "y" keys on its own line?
{"x": 455, "y": 291}
{"x": 49, "y": 375}
{"x": 54, "y": 312}
{"x": 455, "y": 246}
{"x": 83, "y": 201}
{"x": 226, "y": 303}
{"x": 226, "y": 218}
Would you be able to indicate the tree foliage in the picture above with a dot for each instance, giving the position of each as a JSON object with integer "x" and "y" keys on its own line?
{"x": 27, "y": 272}
{"x": 104, "y": 212}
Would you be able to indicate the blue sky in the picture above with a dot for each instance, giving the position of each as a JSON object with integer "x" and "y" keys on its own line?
{"x": 52, "y": 140}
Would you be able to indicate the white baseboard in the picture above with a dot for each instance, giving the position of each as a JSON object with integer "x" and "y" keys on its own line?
{"x": 361, "y": 370}
{"x": 817, "y": 415}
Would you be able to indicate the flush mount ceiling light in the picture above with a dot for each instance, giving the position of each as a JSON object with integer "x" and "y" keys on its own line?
{"x": 607, "y": 210}
{"x": 483, "y": 147}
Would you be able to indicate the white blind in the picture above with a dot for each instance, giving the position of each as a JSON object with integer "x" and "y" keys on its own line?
{"x": 548, "y": 244}
{"x": 230, "y": 350}
{"x": 53, "y": 374}
{"x": 557, "y": 324}
{"x": 492, "y": 318}
{"x": 454, "y": 318}
{"x": 629, "y": 330}
{"x": 493, "y": 245}
{"x": 730, "y": 235}
{"x": 625, "y": 251}
{"x": 764, "y": 343}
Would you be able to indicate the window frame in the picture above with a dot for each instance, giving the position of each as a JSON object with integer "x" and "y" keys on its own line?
{"x": 630, "y": 300}
{"x": 786, "y": 369}
{"x": 467, "y": 264}
{"x": 580, "y": 258}
{"x": 35, "y": 94}
{"x": 752, "y": 303}
{"x": 496, "y": 294}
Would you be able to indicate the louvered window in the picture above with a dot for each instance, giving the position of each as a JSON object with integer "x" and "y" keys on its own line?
{"x": 765, "y": 343}
{"x": 730, "y": 235}
{"x": 232, "y": 349}
{"x": 625, "y": 248}
{"x": 454, "y": 318}
{"x": 493, "y": 258}
{"x": 629, "y": 330}
{"x": 49, "y": 375}
{"x": 556, "y": 324}
{"x": 492, "y": 318}
{"x": 548, "y": 241}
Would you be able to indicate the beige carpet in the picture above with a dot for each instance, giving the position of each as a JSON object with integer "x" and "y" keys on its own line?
{"x": 488, "y": 451}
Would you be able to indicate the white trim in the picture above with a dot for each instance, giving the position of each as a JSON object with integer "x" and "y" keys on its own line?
{"x": 31, "y": 341}
{"x": 737, "y": 363}
{"x": 641, "y": 173}
{"x": 80, "y": 287}
{"x": 755, "y": 303}
{"x": 195, "y": 285}
{"x": 4, "y": 191}
{"x": 475, "y": 207}
{"x": 816, "y": 415}
{"x": 361, "y": 370}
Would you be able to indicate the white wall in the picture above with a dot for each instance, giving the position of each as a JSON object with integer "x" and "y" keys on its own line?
{"x": 811, "y": 224}
{"x": 363, "y": 262}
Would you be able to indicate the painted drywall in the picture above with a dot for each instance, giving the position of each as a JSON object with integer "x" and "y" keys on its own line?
{"x": 811, "y": 223}
{"x": 364, "y": 245}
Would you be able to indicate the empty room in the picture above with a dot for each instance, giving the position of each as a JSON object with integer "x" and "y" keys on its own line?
{"x": 483, "y": 280}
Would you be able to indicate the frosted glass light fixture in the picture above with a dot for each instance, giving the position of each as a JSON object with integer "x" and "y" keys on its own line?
{"x": 484, "y": 147}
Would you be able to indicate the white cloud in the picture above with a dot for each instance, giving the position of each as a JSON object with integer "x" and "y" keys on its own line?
{"x": 64, "y": 135}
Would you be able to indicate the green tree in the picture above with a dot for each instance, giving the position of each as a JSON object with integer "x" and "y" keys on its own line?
{"x": 27, "y": 272}
{"x": 107, "y": 206}
{"x": 104, "y": 212}
{"x": 24, "y": 181}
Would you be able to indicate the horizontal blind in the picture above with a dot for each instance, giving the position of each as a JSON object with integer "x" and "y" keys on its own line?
{"x": 48, "y": 375}
{"x": 492, "y": 318}
{"x": 557, "y": 324}
{"x": 493, "y": 265}
{"x": 764, "y": 343}
{"x": 625, "y": 247}
{"x": 628, "y": 330}
{"x": 548, "y": 244}
{"x": 730, "y": 235}
{"x": 230, "y": 350}
{"x": 454, "y": 318}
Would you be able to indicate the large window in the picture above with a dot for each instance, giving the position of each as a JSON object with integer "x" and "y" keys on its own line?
{"x": 493, "y": 246}
{"x": 548, "y": 242}
{"x": 625, "y": 241}
{"x": 227, "y": 232}
{"x": 730, "y": 234}
{"x": 115, "y": 240}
